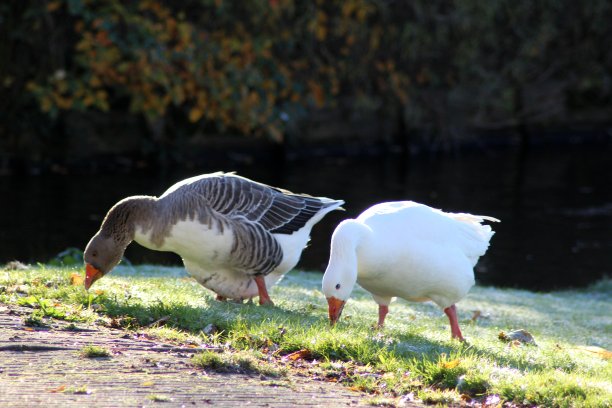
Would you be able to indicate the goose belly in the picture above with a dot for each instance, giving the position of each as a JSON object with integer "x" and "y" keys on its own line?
{"x": 206, "y": 254}
{"x": 225, "y": 282}
{"x": 236, "y": 284}
{"x": 191, "y": 239}
{"x": 417, "y": 272}
{"x": 228, "y": 282}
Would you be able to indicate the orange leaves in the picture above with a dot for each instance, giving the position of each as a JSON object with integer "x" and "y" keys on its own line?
{"x": 302, "y": 354}
{"x": 76, "y": 279}
{"x": 231, "y": 66}
{"x": 321, "y": 26}
{"x": 317, "y": 92}
{"x": 102, "y": 38}
{"x": 53, "y": 6}
{"x": 449, "y": 365}
{"x": 195, "y": 114}
{"x": 597, "y": 351}
{"x": 61, "y": 388}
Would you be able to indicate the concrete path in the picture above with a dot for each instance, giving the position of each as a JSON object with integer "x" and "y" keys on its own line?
{"x": 43, "y": 367}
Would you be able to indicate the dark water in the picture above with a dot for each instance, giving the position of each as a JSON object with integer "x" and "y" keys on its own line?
{"x": 555, "y": 205}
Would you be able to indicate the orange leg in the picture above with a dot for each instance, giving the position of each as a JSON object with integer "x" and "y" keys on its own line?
{"x": 451, "y": 312}
{"x": 382, "y": 313}
{"x": 264, "y": 299}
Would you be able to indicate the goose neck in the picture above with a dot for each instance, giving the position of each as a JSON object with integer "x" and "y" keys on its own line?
{"x": 122, "y": 219}
{"x": 346, "y": 240}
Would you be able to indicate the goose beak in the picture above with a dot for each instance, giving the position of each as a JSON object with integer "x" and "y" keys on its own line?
{"x": 91, "y": 275}
{"x": 335, "y": 309}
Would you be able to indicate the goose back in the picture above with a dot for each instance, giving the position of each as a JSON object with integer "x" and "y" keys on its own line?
{"x": 251, "y": 213}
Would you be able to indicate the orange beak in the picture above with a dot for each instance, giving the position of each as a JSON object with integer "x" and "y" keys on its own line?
{"x": 91, "y": 275}
{"x": 335, "y": 309}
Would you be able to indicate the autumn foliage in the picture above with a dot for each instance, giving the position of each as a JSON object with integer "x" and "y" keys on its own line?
{"x": 253, "y": 66}
{"x": 243, "y": 65}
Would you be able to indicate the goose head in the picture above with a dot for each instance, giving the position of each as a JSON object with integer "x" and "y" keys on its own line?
{"x": 102, "y": 254}
{"x": 105, "y": 249}
{"x": 341, "y": 272}
{"x": 337, "y": 288}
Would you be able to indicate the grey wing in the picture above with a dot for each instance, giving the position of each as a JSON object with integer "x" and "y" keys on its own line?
{"x": 234, "y": 203}
{"x": 277, "y": 211}
{"x": 253, "y": 211}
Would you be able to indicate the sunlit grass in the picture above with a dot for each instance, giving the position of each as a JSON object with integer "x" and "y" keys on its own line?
{"x": 92, "y": 351}
{"x": 412, "y": 357}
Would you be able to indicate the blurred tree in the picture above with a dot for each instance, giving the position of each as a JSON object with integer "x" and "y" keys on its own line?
{"x": 253, "y": 67}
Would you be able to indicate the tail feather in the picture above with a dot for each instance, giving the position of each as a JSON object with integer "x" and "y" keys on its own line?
{"x": 477, "y": 235}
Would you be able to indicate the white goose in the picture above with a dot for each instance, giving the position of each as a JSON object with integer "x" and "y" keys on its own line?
{"x": 236, "y": 236}
{"x": 408, "y": 250}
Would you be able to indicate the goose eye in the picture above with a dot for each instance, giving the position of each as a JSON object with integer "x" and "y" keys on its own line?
{"x": 94, "y": 254}
{"x": 337, "y": 286}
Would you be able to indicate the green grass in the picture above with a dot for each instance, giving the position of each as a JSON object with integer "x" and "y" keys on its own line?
{"x": 412, "y": 357}
{"x": 237, "y": 361}
{"x": 92, "y": 351}
{"x": 159, "y": 398}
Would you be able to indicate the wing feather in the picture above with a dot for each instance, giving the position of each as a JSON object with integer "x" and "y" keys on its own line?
{"x": 253, "y": 211}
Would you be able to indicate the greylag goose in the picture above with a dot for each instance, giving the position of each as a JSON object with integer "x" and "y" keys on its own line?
{"x": 237, "y": 237}
{"x": 408, "y": 250}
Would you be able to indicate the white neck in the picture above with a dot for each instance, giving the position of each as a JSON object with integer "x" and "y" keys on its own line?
{"x": 342, "y": 267}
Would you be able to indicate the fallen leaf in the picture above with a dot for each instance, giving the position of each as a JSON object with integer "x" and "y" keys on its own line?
{"x": 520, "y": 335}
{"x": 61, "y": 388}
{"x": 76, "y": 279}
{"x": 514, "y": 343}
{"x": 28, "y": 329}
{"x": 159, "y": 321}
{"x": 357, "y": 388}
{"x": 303, "y": 354}
{"x": 600, "y": 352}
{"x": 147, "y": 384}
{"x": 476, "y": 315}
{"x": 450, "y": 364}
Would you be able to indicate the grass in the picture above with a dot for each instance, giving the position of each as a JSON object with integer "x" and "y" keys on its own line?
{"x": 413, "y": 357}
{"x": 237, "y": 361}
{"x": 159, "y": 398}
{"x": 92, "y": 351}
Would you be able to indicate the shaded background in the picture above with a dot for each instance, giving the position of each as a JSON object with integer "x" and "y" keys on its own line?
{"x": 497, "y": 108}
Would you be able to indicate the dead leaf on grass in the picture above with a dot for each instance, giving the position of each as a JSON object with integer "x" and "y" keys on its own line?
{"x": 598, "y": 351}
{"x": 76, "y": 279}
{"x": 522, "y": 336}
{"x": 303, "y": 354}
{"x": 159, "y": 322}
{"x": 61, "y": 388}
{"x": 450, "y": 364}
